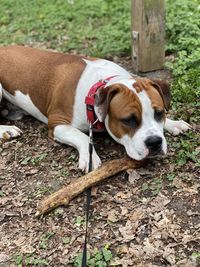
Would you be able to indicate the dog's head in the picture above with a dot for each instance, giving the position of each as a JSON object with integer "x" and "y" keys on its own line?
{"x": 134, "y": 115}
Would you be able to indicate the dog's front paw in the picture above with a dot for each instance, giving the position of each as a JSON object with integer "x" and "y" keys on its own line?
{"x": 84, "y": 161}
{"x": 7, "y": 132}
{"x": 177, "y": 127}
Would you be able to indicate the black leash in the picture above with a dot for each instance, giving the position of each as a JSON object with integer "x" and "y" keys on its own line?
{"x": 88, "y": 200}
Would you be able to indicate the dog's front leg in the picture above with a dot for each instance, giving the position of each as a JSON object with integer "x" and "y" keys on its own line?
{"x": 176, "y": 127}
{"x": 69, "y": 135}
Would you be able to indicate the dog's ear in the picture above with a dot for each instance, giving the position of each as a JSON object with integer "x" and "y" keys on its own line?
{"x": 102, "y": 99}
{"x": 163, "y": 87}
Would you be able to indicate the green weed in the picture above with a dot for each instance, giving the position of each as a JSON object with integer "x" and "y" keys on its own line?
{"x": 33, "y": 261}
{"x": 170, "y": 177}
{"x": 99, "y": 258}
{"x": 153, "y": 187}
{"x": 66, "y": 240}
{"x": 41, "y": 191}
{"x": 18, "y": 259}
{"x": 33, "y": 160}
{"x": 186, "y": 149}
{"x": 195, "y": 255}
{"x": 2, "y": 194}
{"x": 58, "y": 212}
{"x": 64, "y": 173}
{"x": 30, "y": 260}
{"x": 79, "y": 221}
{"x": 72, "y": 157}
{"x": 44, "y": 240}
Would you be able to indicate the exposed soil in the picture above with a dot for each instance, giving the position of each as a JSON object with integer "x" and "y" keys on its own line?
{"x": 148, "y": 218}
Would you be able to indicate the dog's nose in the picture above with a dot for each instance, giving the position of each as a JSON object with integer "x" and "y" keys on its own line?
{"x": 153, "y": 143}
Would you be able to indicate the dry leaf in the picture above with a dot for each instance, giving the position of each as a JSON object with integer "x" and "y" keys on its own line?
{"x": 133, "y": 176}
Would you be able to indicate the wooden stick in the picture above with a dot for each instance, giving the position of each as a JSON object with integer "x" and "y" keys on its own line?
{"x": 64, "y": 195}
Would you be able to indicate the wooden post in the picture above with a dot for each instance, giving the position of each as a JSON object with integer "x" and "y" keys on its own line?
{"x": 148, "y": 33}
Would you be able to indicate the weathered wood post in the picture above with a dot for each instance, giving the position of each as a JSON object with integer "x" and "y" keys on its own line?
{"x": 148, "y": 34}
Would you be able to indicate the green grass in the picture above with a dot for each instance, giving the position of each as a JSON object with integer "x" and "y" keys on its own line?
{"x": 96, "y": 27}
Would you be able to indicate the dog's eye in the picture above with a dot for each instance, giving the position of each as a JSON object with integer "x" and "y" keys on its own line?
{"x": 130, "y": 121}
{"x": 159, "y": 114}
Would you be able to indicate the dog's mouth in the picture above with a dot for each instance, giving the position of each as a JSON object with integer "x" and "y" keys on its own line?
{"x": 152, "y": 153}
{"x": 156, "y": 154}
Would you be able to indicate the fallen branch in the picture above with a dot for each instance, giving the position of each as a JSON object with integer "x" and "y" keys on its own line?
{"x": 64, "y": 195}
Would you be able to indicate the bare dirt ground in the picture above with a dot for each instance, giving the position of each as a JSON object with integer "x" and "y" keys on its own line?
{"x": 148, "y": 218}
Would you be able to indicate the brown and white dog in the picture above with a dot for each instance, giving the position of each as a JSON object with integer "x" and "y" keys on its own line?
{"x": 52, "y": 88}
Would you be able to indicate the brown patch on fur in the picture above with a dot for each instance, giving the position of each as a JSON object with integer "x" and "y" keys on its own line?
{"x": 139, "y": 85}
{"x": 164, "y": 88}
{"x": 49, "y": 78}
{"x": 123, "y": 105}
{"x": 154, "y": 95}
{"x": 103, "y": 98}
